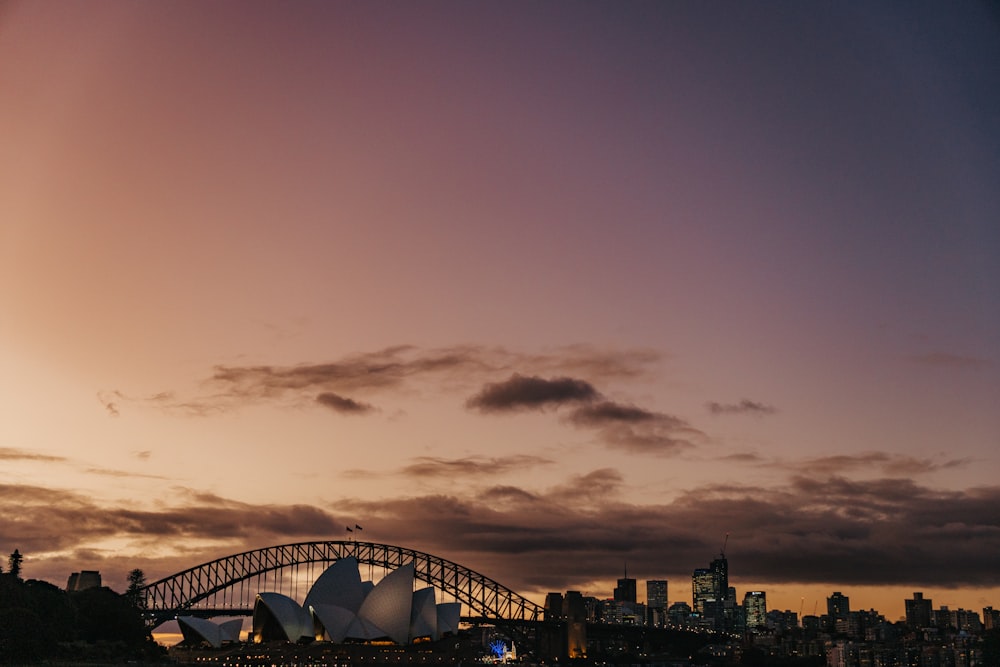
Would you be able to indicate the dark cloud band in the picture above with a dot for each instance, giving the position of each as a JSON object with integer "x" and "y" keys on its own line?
{"x": 521, "y": 392}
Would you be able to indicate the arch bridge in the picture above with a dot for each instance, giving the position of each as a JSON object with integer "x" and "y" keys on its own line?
{"x": 229, "y": 585}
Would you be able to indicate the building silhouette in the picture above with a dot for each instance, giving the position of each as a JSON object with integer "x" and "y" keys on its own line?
{"x": 81, "y": 581}
{"x": 918, "y": 611}
{"x": 656, "y": 602}
{"x": 554, "y": 607}
{"x": 625, "y": 591}
{"x": 575, "y": 614}
{"x": 712, "y": 598}
{"x": 838, "y": 609}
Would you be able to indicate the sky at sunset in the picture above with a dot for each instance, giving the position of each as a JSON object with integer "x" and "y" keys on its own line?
{"x": 543, "y": 288}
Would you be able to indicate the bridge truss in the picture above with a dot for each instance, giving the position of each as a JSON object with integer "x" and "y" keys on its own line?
{"x": 230, "y": 585}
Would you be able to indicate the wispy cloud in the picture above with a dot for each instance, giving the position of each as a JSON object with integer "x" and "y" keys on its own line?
{"x": 878, "y": 463}
{"x": 889, "y": 464}
{"x": 16, "y": 454}
{"x": 636, "y": 430}
{"x": 110, "y": 400}
{"x": 744, "y": 407}
{"x": 342, "y": 404}
{"x": 111, "y": 472}
{"x": 949, "y": 360}
{"x": 229, "y": 387}
{"x": 471, "y": 466}
{"x": 607, "y": 412}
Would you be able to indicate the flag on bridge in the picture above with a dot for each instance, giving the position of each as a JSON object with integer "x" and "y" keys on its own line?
{"x": 349, "y": 529}
{"x": 357, "y": 527}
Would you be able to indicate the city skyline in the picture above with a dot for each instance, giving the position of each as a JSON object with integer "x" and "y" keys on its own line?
{"x": 542, "y": 289}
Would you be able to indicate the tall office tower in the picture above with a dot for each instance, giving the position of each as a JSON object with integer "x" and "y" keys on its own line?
{"x": 656, "y": 593}
{"x": 625, "y": 591}
{"x": 720, "y": 576}
{"x": 702, "y": 588}
{"x": 575, "y": 612}
{"x": 755, "y": 607}
{"x": 918, "y": 611}
{"x": 838, "y": 606}
{"x": 553, "y": 607}
{"x": 656, "y": 602}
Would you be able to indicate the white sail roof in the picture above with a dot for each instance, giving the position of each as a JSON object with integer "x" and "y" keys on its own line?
{"x": 423, "y": 614}
{"x": 340, "y": 585}
{"x": 388, "y": 605}
{"x": 292, "y": 620}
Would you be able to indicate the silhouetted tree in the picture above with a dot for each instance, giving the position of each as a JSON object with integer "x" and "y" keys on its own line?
{"x": 15, "y": 563}
{"x": 21, "y": 636}
{"x": 107, "y": 616}
{"x": 54, "y": 606}
{"x": 12, "y": 593}
{"x": 24, "y": 636}
{"x": 136, "y": 582}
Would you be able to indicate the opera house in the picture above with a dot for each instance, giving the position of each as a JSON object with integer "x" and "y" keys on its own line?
{"x": 340, "y": 607}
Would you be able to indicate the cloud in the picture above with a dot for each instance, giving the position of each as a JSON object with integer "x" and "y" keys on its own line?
{"x": 471, "y": 466}
{"x": 888, "y": 464}
{"x": 609, "y": 412}
{"x": 110, "y": 401}
{"x": 50, "y": 519}
{"x": 811, "y": 530}
{"x": 745, "y": 457}
{"x": 619, "y": 426}
{"x": 520, "y": 392}
{"x": 15, "y": 454}
{"x": 111, "y": 472}
{"x": 636, "y": 430}
{"x": 342, "y": 404}
{"x": 589, "y": 361}
{"x": 455, "y": 368}
{"x": 948, "y": 360}
{"x": 375, "y": 370}
{"x": 744, "y": 407}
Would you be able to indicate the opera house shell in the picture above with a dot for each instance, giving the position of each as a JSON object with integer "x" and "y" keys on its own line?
{"x": 203, "y": 631}
{"x": 341, "y": 607}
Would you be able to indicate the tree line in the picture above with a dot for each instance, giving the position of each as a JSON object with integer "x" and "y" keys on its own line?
{"x": 40, "y": 621}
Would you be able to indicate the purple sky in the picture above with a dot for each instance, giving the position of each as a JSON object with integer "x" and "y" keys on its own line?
{"x": 541, "y": 288}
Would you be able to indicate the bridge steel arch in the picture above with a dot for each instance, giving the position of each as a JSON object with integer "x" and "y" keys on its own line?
{"x": 224, "y": 585}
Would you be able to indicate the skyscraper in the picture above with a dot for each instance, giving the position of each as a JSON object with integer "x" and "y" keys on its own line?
{"x": 656, "y": 593}
{"x": 918, "y": 611}
{"x": 553, "y": 607}
{"x": 712, "y": 596}
{"x": 575, "y": 614}
{"x": 755, "y": 607}
{"x": 625, "y": 591}
{"x": 702, "y": 589}
{"x": 656, "y": 602}
{"x": 720, "y": 576}
{"x": 838, "y": 606}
